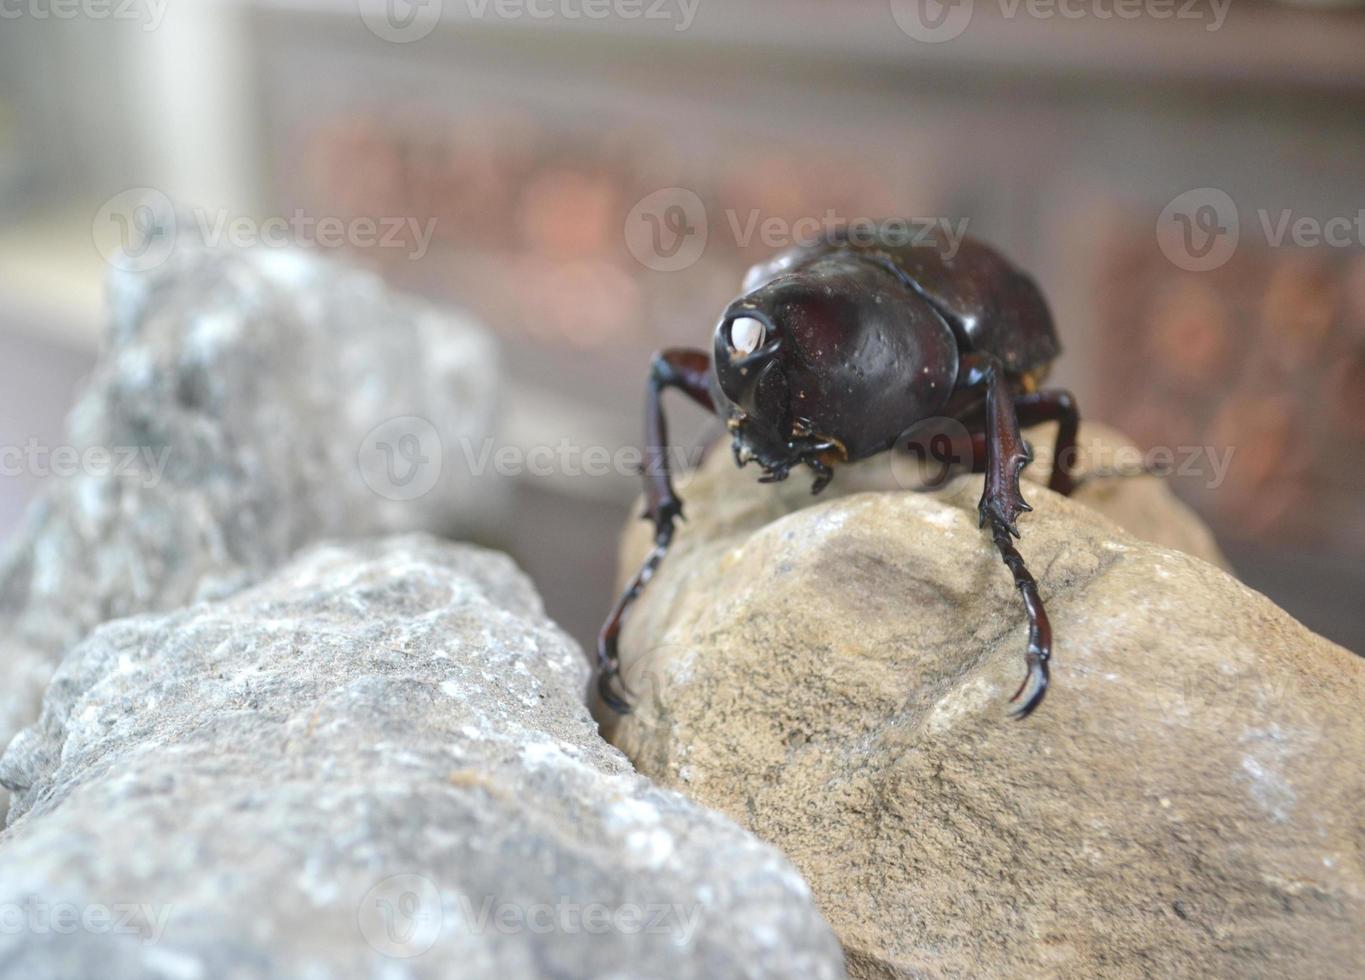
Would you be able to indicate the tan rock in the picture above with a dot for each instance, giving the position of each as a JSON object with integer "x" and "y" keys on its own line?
{"x": 834, "y": 673}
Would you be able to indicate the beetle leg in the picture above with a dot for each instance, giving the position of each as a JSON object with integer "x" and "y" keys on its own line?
{"x": 823, "y": 474}
{"x": 1054, "y": 405}
{"x": 1006, "y": 452}
{"x": 689, "y": 371}
{"x": 1035, "y": 408}
{"x": 1057, "y": 405}
{"x": 1001, "y": 503}
{"x": 820, "y": 453}
{"x": 1039, "y": 627}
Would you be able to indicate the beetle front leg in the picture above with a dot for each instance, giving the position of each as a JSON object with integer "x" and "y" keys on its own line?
{"x": 1001, "y": 504}
{"x": 1006, "y": 452}
{"x": 689, "y": 371}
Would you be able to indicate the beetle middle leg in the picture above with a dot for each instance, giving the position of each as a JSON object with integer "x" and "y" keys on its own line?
{"x": 1058, "y": 405}
{"x": 1054, "y": 405}
{"x": 1001, "y": 505}
{"x": 689, "y": 371}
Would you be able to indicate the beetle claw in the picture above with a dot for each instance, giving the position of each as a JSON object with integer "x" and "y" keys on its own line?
{"x": 1038, "y": 675}
{"x": 1005, "y": 515}
{"x": 610, "y": 697}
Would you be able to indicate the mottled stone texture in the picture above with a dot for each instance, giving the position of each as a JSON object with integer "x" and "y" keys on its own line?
{"x": 834, "y": 674}
{"x": 375, "y": 763}
{"x": 246, "y": 385}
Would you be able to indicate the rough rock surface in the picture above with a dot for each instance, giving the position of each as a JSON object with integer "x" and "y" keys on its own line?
{"x": 248, "y": 386}
{"x": 1187, "y": 802}
{"x": 375, "y": 763}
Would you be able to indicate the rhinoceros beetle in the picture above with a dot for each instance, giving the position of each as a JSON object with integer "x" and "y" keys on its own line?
{"x": 836, "y": 349}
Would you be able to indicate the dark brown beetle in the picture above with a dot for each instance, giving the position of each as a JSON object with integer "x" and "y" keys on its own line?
{"x": 834, "y": 351}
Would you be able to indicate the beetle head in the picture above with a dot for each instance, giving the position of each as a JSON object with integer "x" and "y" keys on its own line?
{"x": 750, "y": 362}
{"x": 829, "y": 360}
{"x": 772, "y": 353}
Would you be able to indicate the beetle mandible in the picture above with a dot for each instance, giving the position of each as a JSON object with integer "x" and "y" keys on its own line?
{"x": 837, "y": 348}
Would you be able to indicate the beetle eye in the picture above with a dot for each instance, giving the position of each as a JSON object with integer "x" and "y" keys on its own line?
{"x": 746, "y": 334}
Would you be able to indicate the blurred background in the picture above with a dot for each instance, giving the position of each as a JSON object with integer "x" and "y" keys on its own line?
{"x": 592, "y": 178}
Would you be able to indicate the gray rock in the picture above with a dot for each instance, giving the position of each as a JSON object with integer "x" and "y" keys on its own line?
{"x": 239, "y": 412}
{"x": 376, "y": 763}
